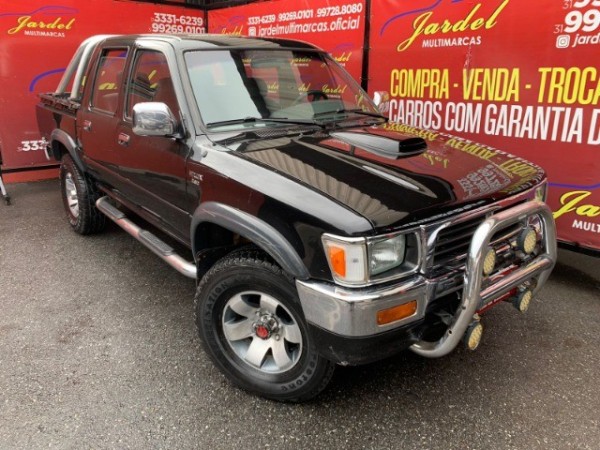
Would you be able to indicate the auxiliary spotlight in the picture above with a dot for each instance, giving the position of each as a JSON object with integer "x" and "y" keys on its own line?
{"x": 522, "y": 300}
{"x": 489, "y": 262}
{"x": 527, "y": 240}
{"x": 473, "y": 335}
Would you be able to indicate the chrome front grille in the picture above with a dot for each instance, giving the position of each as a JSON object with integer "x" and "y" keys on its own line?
{"x": 452, "y": 243}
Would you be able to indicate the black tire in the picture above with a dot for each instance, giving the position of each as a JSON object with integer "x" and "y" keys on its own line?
{"x": 250, "y": 279}
{"x": 79, "y": 197}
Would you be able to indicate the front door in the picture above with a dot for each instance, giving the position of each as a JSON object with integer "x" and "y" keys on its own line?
{"x": 154, "y": 167}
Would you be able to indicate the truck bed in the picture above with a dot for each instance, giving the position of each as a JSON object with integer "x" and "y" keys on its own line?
{"x": 56, "y": 111}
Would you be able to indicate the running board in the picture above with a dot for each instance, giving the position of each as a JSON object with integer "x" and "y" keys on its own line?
{"x": 151, "y": 241}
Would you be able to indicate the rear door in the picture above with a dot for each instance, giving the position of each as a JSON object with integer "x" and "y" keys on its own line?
{"x": 99, "y": 114}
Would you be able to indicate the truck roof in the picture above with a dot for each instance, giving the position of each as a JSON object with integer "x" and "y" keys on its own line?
{"x": 212, "y": 41}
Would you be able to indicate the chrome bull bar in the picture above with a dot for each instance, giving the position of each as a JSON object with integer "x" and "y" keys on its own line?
{"x": 472, "y": 296}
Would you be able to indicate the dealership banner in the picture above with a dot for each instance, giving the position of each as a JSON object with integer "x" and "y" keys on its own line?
{"x": 37, "y": 41}
{"x": 523, "y": 77}
{"x": 336, "y": 26}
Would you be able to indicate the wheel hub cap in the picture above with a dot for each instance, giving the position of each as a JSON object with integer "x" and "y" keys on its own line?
{"x": 262, "y": 332}
{"x": 265, "y": 326}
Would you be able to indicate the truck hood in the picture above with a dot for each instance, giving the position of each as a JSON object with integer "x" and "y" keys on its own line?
{"x": 387, "y": 176}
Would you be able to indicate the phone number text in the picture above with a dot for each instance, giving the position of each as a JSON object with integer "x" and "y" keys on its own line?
{"x": 174, "y": 19}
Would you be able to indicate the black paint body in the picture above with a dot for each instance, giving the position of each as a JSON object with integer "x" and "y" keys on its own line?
{"x": 302, "y": 181}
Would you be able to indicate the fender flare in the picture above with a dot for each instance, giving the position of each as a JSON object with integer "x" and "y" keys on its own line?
{"x": 252, "y": 228}
{"x": 69, "y": 143}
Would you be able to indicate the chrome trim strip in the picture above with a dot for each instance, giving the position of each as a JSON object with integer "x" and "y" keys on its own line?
{"x": 472, "y": 295}
{"x": 516, "y": 278}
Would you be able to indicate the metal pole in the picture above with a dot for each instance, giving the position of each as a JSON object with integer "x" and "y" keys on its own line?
{"x": 3, "y": 191}
{"x": 364, "y": 76}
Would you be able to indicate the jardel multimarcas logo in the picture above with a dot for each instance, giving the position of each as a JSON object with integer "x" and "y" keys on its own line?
{"x": 342, "y": 53}
{"x": 234, "y": 26}
{"x": 47, "y": 21}
{"x": 433, "y": 24}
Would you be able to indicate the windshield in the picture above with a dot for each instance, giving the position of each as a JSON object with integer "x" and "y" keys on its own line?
{"x": 237, "y": 89}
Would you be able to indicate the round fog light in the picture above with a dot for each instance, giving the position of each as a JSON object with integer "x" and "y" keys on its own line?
{"x": 522, "y": 300}
{"x": 527, "y": 240}
{"x": 473, "y": 335}
{"x": 489, "y": 262}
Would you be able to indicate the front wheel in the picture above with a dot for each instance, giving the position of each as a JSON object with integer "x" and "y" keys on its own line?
{"x": 251, "y": 324}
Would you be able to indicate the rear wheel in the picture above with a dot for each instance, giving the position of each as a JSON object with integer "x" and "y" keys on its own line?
{"x": 251, "y": 324}
{"x": 79, "y": 199}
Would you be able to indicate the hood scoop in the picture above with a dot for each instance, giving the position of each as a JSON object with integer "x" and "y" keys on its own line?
{"x": 383, "y": 146}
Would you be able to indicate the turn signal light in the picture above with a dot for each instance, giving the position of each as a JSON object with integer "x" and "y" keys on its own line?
{"x": 347, "y": 259}
{"x": 337, "y": 257}
{"x": 396, "y": 313}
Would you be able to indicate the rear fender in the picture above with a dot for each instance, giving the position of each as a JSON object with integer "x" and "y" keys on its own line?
{"x": 67, "y": 142}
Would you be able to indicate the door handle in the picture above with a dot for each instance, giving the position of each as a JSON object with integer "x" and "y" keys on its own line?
{"x": 123, "y": 139}
{"x": 87, "y": 125}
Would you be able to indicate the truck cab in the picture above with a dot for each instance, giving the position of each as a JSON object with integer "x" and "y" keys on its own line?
{"x": 318, "y": 232}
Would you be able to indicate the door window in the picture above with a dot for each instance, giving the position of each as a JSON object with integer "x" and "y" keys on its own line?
{"x": 109, "y": 76}
{"x": 151, "y": 82}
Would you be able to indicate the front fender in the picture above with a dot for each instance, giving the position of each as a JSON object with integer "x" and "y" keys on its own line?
{"x": 252, "y": 228}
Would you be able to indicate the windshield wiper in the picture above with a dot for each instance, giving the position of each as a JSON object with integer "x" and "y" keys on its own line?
{"x": 261, "y": 120}
{"x": 352, "y": 111}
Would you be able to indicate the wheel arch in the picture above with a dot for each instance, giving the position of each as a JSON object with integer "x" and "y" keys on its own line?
{"x": 212, "y": 217}
{"x": 61, "y": 141}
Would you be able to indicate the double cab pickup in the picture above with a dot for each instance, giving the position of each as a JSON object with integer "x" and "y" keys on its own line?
{"x": 318, "y": 232}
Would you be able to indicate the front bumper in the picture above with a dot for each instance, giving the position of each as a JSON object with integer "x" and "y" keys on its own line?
{"x": 351, "y": 313}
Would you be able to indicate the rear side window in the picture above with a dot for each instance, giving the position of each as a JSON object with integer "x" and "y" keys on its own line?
{"x": 108, "y": 80}
{"x": 150, "y": 82}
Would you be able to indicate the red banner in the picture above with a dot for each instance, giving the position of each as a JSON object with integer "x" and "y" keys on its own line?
{"x": 37, "y": 41}
{"x": 337, "y": 26}
{"x": 520, "y": 76}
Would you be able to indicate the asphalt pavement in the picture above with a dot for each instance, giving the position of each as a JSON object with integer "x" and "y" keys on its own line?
{"x": 98, "y": 350}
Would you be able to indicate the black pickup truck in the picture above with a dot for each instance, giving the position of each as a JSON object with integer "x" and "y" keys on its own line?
{"x": 318, "y": 232}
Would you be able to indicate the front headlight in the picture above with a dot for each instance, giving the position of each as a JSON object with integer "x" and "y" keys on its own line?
{"x": 386, "y": 254}
{"x": 362, "y": 261}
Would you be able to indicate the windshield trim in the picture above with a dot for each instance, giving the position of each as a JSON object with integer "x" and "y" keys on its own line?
{"x": 265, "y": 120}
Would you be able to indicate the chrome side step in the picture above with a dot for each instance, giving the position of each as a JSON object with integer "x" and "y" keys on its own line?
{"x": 151, "y": 241}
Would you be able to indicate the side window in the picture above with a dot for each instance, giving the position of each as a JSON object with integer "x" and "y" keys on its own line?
{"x": 151, "y": 82}
{"x": 108, "y": 80}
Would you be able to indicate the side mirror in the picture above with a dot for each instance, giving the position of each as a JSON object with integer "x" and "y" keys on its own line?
{"x": 154, "y": 119}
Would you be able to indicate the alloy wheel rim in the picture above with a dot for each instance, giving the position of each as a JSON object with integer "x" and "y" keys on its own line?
{"x": 71, "y": 195}
{"x": 262, "y": 332}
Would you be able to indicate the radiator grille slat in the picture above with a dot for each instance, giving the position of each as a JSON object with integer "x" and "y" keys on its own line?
{"x": 453, "y": 242}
